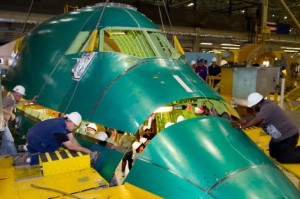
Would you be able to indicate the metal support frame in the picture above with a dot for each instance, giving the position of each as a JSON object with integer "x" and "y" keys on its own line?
{"x": 290, "y": 13}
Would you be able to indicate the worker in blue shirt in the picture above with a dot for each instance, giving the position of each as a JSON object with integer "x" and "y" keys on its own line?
{"x": 49, "y": 135}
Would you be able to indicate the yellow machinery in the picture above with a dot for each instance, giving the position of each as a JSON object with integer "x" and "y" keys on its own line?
{"x": 67, "y": 8}
{"x": 63, "y": 161}
{"x": 254, "y": 55}
{"x": 62, "y": 174}
{"x": 251, "y": 54}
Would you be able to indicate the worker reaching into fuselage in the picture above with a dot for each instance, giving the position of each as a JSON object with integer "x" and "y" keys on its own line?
{"x": 49, "y": 135}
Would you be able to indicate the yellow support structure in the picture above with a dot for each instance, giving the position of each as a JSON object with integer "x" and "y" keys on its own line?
{"x": 66, "y": 8}
{"x": 292, "y": 98}
{"x": 211, "y": 80}
{"x": 63, "y": 161}
{"x": 92, "y": 43}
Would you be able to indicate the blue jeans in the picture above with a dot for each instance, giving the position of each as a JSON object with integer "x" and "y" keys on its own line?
{"x": 7, "y": 145}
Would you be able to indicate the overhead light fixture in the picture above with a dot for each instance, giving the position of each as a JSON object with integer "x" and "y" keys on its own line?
{"x": 190, "y": 4}
{"x": 164, "y": 109}
{"x": 290, "y": 48}
{"x": 230, "y": 48}
{"x": 290, "y": 51}
{"x": 217, "y": 51}
{"x": 285, "y": 17}
{"x": 207, "y": 44}
{"x": 230, "y": 45}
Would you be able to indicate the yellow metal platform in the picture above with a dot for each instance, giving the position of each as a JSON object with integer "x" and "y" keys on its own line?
{"x": 63, "y": 161}
{"x": 62, "y": 174}
{"x": 126, "y": 191}
{"x": 261, "y": 139}
{"x": 16, "y": 183}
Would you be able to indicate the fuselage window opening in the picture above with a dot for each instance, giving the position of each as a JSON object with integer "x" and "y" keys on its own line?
{"x": 138, "y": 43}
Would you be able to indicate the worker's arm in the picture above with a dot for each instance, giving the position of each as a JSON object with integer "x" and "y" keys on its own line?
{"x": 28, "y": 101}
{"x": 72, "y": 139}
{"x": 113, "y": 134}
{"x": 252, "y": 122}
{"x": 9, "y": 112}
{"x": 72, "y": 144}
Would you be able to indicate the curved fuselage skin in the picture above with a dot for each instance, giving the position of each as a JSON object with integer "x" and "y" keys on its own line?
{"x": 202, "y": 157}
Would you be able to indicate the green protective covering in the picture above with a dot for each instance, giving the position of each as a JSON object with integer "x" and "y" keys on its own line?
{"x": 208, "y": 158}
{"x": 107, "y": 160}
{"x": 119, "y": 93}
{"x": 114, "y": 84}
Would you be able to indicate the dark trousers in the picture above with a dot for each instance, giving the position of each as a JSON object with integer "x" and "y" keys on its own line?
{"x": 127, "y": 157}
{"x": 286, "y": 151}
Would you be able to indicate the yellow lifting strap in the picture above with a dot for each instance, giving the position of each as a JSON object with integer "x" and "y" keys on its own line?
{"x": 17, "y": 47}
{"x": 92, "y": 43}
{"x": 177, "y": 45}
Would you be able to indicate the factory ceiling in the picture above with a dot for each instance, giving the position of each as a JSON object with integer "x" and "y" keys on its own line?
{"x": 212, "y": 21}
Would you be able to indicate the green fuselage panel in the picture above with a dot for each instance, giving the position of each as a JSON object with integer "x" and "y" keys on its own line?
{"x": 208, "y": 158}
{"x": 119, "y": 87}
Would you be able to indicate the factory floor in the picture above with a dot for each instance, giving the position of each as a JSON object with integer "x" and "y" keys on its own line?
{"x": 293, "y": 115}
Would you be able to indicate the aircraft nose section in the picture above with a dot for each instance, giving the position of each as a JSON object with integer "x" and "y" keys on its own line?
{"x": 205, "y": 157}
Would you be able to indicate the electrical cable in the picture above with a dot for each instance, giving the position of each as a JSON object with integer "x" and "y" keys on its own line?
{"x": 55, "y": 190}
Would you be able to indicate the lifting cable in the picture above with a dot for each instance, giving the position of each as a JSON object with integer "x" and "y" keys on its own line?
{"x": 60, "y": 59}
{"x": 161, "y": 19}
{"x": 95, "y": 31}
{"x": 165, "y": 6}
{"x": 28, "y": 15}
{"x": 58, "y": 63}
{"x": 169, "y": 20}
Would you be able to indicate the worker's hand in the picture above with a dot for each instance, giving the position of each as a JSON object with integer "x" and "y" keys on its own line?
{"x": 241, "y": 121}
{"x": 34, "y": 99}
{"x": 235, "y": 124}
{"x": 12, "y": 116}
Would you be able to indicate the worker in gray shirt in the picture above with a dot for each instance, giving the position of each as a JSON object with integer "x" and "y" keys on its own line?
{"x": 9, "y": 102}
{"x": 283, "y": 145}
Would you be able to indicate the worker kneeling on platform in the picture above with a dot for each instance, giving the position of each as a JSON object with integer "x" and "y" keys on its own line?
{"x": 49, "y": 135}
{"x": 276, "y": 123}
